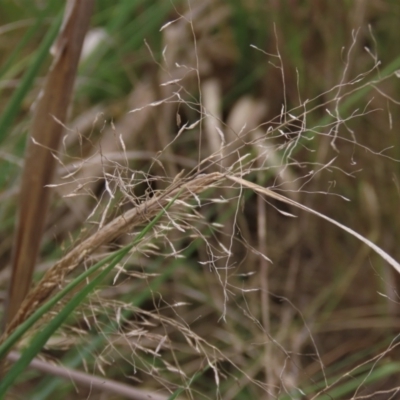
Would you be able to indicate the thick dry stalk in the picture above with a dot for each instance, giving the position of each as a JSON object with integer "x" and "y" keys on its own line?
{"x": 120, "y": 225}
{"x": 45, "y": 135}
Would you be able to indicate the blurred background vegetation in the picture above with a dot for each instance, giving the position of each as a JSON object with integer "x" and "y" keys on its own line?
{"x": 289, "y": 329}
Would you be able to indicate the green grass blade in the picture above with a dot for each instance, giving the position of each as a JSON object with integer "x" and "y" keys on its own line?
{"x": 41, "y": 338}
{"x": 360, "y": 94}
{"x": 50, "y": 384}
{"x": 17, "y": 334}
{"x": 12, "y": 59}
{"x": 20, "y": 331}
{"x": 347, "y": 389}
{"x": 193, "y": 379}
{"x": 13, "y": 106}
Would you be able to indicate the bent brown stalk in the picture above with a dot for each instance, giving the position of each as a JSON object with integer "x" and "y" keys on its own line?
{"x": 126, "y": 222}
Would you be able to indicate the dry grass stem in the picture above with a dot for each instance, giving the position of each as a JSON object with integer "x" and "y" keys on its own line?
{"x": 286, "y": 200}
{"x": 89, "y": 381}
{"x": 45, "y": 135}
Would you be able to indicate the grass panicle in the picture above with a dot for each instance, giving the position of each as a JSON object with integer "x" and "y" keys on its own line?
{"x": 253, "y": 118}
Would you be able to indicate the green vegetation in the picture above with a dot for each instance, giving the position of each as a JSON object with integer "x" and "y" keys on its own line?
{"x": 164, "y": 270}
